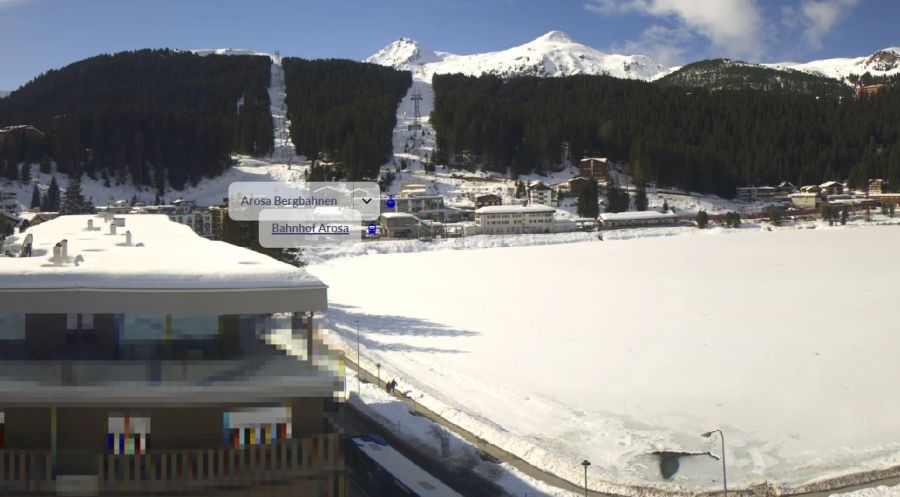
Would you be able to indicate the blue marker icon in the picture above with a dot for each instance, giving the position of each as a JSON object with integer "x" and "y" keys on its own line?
{"x": 372, "y": 229}
{"x": 391, "y": 203}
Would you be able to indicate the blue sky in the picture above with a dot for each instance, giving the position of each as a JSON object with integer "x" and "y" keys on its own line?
{"x": 36, "y": 35}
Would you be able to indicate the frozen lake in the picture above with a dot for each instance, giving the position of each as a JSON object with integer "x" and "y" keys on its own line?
{"x": 612, "y": 350}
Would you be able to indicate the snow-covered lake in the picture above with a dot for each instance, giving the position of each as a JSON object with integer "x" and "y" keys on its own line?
{"x": 612, "y": 350}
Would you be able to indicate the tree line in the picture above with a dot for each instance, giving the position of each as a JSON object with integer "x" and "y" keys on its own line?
{"x": 153, "y": 116}
{"x": 343, "y": 112}
{"x": 699, "y": 140}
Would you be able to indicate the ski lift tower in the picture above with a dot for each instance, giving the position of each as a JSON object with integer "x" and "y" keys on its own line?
{"x": 417, "y": 117}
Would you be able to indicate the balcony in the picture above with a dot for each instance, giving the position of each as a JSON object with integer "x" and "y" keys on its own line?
{"x": 316, "y": 462}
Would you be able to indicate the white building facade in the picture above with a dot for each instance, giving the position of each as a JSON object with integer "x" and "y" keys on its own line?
{"x": 513, "y": 219}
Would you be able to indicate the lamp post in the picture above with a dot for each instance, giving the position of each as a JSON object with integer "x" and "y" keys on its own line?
{"x": 378, "y": 367}
{"x": 585, "y": 463}
{"x": 358, "y": 364}
{"x": 724, "y": 475}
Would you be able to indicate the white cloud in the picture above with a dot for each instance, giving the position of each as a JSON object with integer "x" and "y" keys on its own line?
{"x": 820, "y": 16}
{"x": 735, "y": 27}
{"x": 660, "y": 43}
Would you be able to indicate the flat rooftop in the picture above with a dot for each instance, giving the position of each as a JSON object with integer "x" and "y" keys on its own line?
{"x": 164, "y": 258}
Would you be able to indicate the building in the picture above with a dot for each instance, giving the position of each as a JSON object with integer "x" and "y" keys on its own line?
{"x": 869, "y": 90}
{"x": 487, "y": 199}
{"x": 634, "y": 219}
{"x": 8, "y": 223}
{"x": 413, "y": 188}
{"x": 784, "y": 190}
{"x": 831, "y": 188}
{"x": 539, "y": 194}
{"x": 594, "y": 167}
{"x": 810, "y": 189}
{"x": 508, "y": 219}
{"x": 577, "y": 183}
{"x": 755, "y": 194}
{"x": 141, "y": 359}
{"x": 22, "y": 132}
{"x": 423, "y": 206}
{"x": 804, "y": 200}
{"x": 877, "y": 186}
{"x": 405, "y": 225}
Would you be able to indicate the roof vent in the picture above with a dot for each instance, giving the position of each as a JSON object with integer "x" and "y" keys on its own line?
{"x": 64, "y": 252}
{"x": 119, "y": 221}
{"x": 57, "y": 254}
{"x": 128, "y": 238}
{"x": 112, "y": 228}
{"x": 78, "y": 259}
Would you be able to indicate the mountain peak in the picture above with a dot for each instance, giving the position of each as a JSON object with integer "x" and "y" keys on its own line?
{"x": 555, "y": 36}
{"x": 403, "y": 54}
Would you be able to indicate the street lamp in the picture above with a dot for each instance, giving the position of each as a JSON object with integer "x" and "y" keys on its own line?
{"x": 358, "y": 364}
{"x": 378, "y": 366}
{"x": 724, "y": 475}
{"x": 585, "y": 463}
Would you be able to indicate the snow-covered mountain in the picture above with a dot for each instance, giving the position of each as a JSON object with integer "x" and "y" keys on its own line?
{"x": 3, "y": 93}
{"x": 552, "y": 54}
{"x": 884, "y": 62}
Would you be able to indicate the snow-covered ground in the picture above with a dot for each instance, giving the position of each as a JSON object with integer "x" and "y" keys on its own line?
{"x": 613, "y": 350}
{"x": 881, "y": 491}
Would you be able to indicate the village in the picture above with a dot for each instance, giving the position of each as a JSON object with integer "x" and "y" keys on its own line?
{"x": 536, "y": 207}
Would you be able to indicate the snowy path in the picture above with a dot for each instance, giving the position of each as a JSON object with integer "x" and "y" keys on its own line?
{"x": 283, "y": 152}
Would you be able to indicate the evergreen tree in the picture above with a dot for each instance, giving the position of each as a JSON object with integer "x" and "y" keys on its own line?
{"x": 45, "y": 165}
{"x": 51, "y": 201}
{"x": 73, "y": 201}
{"x": 701, "y": 219}
{"x": 25, "y": 174}
{"x": 35, "y": 197}
{"x": 891, "y": 210}
{"x": 776, "y": 215}
{"x": 665, "y": 207}
{"x": 640, "y": 198}
{"x": 588, "y": 199}
{"x": 617, "y": 199}
{"x": 827, "y": 213}
{"x": 12, "y": 171}
{"x": 844, "y": 215}
{"x": 246, "y": 234}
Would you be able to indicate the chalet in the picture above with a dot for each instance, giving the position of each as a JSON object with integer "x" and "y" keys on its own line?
{"x": 508, "y": 219}
{"x": 610, "y": 220}
{"x": 577, "y": 183}
{"x": 20, "y": 132}
{"x": 594, "y": 167}
{"x": 877, "y": 186}
{"x": 869, "y": 90}
{"x": 539, "y": 193}
{"x": 831, "y": 188}
{"x": 810, "y": 189}
{"x": 487, "y": 199}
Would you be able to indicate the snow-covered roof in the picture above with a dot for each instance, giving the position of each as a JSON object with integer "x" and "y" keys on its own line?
{"x": 635, "y": 215}
{"x": 396, "y": 215}
{"x": 164, "y": 257}
{"x": 804, "y": 195}
{"x": 829, "y": 184}
{"x": 513, "y": 209}
{"x": 402, "y": 468}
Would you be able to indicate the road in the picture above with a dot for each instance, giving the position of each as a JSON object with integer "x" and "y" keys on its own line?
{"x": 553, "y": 480}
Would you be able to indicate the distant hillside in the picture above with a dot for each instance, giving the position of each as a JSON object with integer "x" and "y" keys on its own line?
{"x": 151, "y": 116}
{"x": 727, "y": 74}
{"x": 344, "y": 112}
{"x": 705, "y": 141}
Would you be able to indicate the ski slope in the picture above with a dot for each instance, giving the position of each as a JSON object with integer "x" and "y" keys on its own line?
{"x": 613, "y": 350}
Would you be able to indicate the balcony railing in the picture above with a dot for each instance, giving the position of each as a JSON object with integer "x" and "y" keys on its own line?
{"x": 26, "y": 471}
{"x": 187, "y": 470}
{"x": 319, "y": 460}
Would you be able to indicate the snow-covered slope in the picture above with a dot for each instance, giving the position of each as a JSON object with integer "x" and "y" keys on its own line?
{"x": 884, "y": 62}
{"x": 552, "y": 54}
{"x": 4, "y": 94}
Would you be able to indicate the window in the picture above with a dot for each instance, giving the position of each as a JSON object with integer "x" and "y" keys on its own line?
{"x": 127, "y": 435}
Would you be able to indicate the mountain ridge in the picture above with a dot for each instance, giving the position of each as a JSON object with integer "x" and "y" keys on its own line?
{"x": 555, "y": 54}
